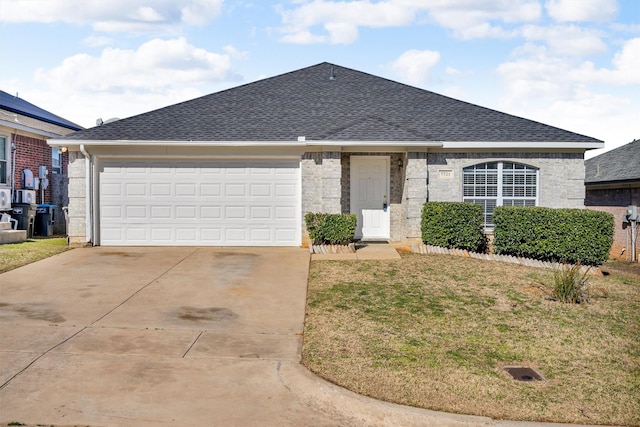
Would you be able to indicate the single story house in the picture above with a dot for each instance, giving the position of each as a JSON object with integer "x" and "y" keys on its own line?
{"x": 242, "y": 166}
{"x": 24, "y": 129}
{"x": 612, "y": 182}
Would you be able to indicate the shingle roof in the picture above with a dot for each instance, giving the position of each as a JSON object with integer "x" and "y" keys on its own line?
{"x": 23, "y": 111}
{"x": 352, "y": 106}
{"x": 620, "y": 164}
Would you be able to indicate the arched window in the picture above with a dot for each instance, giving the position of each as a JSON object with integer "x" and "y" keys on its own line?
{"x": 500, "y": 184}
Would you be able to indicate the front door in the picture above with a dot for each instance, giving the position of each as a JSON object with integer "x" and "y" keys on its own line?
{"x": 370, "y": 196}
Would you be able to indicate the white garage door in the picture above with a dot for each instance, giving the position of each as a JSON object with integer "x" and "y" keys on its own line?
{"x": 208, "y": 203}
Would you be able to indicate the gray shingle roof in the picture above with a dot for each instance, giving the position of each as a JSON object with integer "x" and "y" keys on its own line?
{"x": 354, "y": 106}
{"x": 620, "y": 164}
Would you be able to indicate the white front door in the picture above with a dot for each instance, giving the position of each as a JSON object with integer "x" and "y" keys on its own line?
{"x": 370, "y": 196}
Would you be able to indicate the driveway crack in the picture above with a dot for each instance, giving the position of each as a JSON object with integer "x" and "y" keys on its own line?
{"x": 143, "y": 287}
{"x": 192, "y": 344}
{"x": 6, "y": 383}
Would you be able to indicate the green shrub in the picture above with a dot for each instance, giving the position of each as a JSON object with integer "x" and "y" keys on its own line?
{"x": 571, "y": 285}
{"x": 571, "y": 235}
{"x": 331, "y": 229}
{"x": 453, "y": 225}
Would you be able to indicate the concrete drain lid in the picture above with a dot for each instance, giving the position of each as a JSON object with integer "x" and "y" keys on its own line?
{"x": 522, "y": 373}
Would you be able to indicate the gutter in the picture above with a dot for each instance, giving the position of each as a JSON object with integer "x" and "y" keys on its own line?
{"x": 87, "y": 198}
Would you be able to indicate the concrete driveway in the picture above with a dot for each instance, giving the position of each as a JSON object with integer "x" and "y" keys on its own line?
{"x": 171, "y": 336}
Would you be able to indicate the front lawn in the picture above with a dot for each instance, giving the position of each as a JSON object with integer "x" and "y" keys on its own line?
{"x": 435, "y": 331}
{"x": 14, "y": 255}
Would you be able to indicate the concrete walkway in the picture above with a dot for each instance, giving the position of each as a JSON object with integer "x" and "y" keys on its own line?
{"x": 364, "y": 251}
{"x": 172, "y": 336}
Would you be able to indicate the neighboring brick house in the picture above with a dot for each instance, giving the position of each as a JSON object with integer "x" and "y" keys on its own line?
{"x": 243, "y": 166}
{"x": 24, "y": 129}
{"x": 612, "y": 182}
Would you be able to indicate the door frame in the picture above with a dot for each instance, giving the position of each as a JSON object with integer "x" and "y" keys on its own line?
{"x": 354, "y": 161}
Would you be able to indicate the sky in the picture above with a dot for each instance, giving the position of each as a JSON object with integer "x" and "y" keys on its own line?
{"x": 574, "y": 64}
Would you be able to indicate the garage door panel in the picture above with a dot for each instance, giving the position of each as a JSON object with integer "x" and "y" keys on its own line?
{"x": 230, "y": 202}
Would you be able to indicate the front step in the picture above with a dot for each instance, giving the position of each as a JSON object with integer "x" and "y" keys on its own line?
{"x": 12, "y": 236}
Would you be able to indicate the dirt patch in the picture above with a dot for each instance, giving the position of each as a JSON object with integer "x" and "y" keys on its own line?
{"x": 35, "y": 312}
{"x": 206, "y": 314}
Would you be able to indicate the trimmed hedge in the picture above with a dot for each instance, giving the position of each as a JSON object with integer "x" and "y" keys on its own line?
{"x": 331, "y": 229}
{"x": 454, "y": 225}
{"x": 571, "y": 235}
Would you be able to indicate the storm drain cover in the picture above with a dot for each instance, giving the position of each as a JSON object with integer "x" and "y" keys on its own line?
{"x": 522, "y": 373}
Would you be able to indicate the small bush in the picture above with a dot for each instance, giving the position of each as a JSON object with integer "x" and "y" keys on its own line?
{"x": 454, "y": 225}
{"x": 331, "y": 229}
{"x": 571, "y": 285}
{"x": 573, "y": 235}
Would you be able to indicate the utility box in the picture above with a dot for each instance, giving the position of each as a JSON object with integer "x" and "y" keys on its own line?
{"x": 25, "y": 214}
{"x": 632, "y": 213}
{"x": 44, "y": 220}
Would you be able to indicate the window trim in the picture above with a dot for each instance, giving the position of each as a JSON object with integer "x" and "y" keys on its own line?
{"x": 5, "y": 180}
{"x": 500, "y": 198}
{"x": 56, "y": 169}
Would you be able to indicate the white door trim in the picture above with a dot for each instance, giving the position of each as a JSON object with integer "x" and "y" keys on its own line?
{"x": 373, "y": 209}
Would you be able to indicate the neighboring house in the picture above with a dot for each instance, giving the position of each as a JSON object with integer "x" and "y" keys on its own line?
{"x": 612, "y": 182}
{"x": 24, "y": 129}
{"x": 242, "y": 166}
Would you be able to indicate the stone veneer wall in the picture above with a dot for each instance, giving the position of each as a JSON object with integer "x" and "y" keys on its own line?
{"x": 77, "y": 193}
{"x": 561, "y": 178}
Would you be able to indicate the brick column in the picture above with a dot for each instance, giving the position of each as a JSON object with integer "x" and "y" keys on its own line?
{"x": 331, "y": 182}
{"x": 416, "y": 192}
{"x": 77, "y": 194}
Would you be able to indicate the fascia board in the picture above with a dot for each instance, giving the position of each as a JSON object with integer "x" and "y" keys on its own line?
{"x": 60, "y": 142}
{"x": 31, "y": 130}
{"x": 516, "y": 145}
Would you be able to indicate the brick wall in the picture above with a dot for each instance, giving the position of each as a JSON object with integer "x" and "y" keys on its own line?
{"x": 30, "y": 154}
{"x": 615, "y": 202}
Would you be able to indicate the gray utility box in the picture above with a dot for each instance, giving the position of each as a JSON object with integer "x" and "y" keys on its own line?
{"x": 44, "y": 220}
{"x": 25, "y": 214}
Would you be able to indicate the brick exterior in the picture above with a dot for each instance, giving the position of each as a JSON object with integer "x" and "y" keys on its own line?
{"x": 561, "y": 176}
{"x": 77, "y": 193}
{"x": 30, "y": 154}
{"x": 615, "y": 202}
{"x": 326, "y": 184}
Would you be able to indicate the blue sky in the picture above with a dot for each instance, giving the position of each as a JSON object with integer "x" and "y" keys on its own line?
{"x": 574, "y": 64}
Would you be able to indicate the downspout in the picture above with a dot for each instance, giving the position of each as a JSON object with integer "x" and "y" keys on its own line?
{"x": 87, "y": 197}
{"x": 14, "y": 149}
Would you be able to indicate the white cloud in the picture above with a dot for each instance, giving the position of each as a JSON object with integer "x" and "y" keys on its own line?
{"x": 114, "y": 15}
{"x": 625, "y": 70}
{"x": 156, "y": 64}
{"x": 414, "y": 66}
{"x": 567, "y": 39}
{"x": 573, "y": 95}
{"x": 97, "y": 41}
{"x": 122, "y": 82}
{"x": 581, "y": 10}
{"x": 338, "y": 22}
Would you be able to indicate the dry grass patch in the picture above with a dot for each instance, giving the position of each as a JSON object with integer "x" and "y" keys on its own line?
{"x": 435, "y": 331}
{"x": 14, "y": 255}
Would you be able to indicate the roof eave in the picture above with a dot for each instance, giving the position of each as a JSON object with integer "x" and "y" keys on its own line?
{"x": 522, "y": 144}
{"x": 24, "y": 128}
{"x": 61, "y": 142}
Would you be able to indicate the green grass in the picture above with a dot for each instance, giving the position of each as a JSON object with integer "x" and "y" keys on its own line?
{"x": 435, "y": 332}
{"x": 14, "y": 255}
